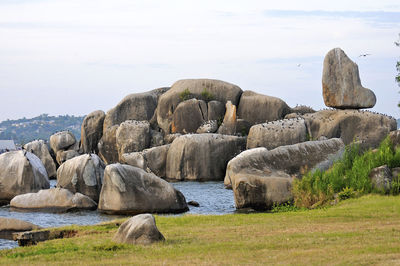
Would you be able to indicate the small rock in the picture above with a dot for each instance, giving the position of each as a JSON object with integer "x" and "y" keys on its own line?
{"x": 193, "y": 203}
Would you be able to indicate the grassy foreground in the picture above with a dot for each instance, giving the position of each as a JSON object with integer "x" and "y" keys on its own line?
{"x": 365, "y": 230}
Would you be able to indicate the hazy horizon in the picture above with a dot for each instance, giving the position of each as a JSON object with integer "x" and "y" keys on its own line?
{"x": 73, "y": 57}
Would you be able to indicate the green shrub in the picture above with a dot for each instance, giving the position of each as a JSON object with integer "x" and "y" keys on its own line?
{"x": 347, "y": 193}
{"x": 206, "y": 95}
{"x": 348, "y": 176}
{"x": 185, "y": 95}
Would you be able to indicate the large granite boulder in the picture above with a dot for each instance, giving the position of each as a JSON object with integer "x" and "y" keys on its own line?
{"x": 137, "y": 106}
{"x": 8, "y": 226}
{"x": 83, "y": 174}
{"x": 215, "y": 110}
{"x": 258, "y": 108}
{"x": 92, "y": 131}
{"x": 341, "y": 83}
{"x": 131, "y": 190}
{"x": 261, "y": 178}
{"x": 350, "y": 125}
{"x": 228, "y": 126}
{"x": 202, "y": 157}
{"x": 108, "y": 150}
{"x": 41, "y": 150}
{"x": 53, "y": 200}
{"x": 21, "y": 172}
{"x": 140, "y": 229}
{"x": 198, "y": 88}
{"x": 277, "y": 133}
{"x": 152, "y": 160}
{"x": 63, "y": 140}
{"x": 132, "y": 136}
{"x": 188, "y": 116}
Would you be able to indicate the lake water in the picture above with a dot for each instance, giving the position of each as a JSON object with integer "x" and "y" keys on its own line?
{"x": 212, "y": 197}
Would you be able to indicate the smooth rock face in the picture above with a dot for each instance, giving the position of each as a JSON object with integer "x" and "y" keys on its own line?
{"x": 188, "y": 116}
{"x": 138, "y": 106}
{"x": 63, "y": 156}
{"x": 228, "y": 126}
{"x": 9, "y": 226}
{"x": 132, "y": 136}
{"x": 261, "y": 178}
{"x": 350, "y": 125}
{"x": 83, "y": 174}
{"x": 21, "y": 172}
{"x": 54, "y": 199}
{"x": 216, "y": 110}
{"x": 381, "y": 178}
{"x": 40, "y": 149}
{"x": 130, "y": 190}
{"x": 257, "y": 108}
{"x": 341, "y": 83}
{"x": 202, "y": 157}
{"x": 152, "y": 160}
{"x": 168, "y": 102}
{"x": 140, "y": 229}
{"x": 62, "y": 141}
{"x": 108, "y": 150}
{"x": 278, "y": 133}
{"x": 92, "y": 131}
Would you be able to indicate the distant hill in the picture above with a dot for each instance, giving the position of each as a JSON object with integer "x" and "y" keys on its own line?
{"x": 41, "y": 127}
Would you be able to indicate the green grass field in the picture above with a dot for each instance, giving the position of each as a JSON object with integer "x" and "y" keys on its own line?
{"x": 358, "y": 231}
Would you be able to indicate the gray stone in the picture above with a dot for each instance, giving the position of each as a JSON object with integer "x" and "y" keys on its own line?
{"x": 92, "y": 131}
{"x": 63, "y": 156}
{"x": 54, "y": 200}
{"x": 278, "y": 133}
{"x": 8, "y": 226}
{"x": 216, "y": 110}
{"x": 168, "y": 102}
{"x": 157, "y": 138}
{"x": 168, "y": 139}
{"x": 341, "y": 83}
{"x": 132, "y": 136}
{"x": 350, "y": 125}
{"x": 188, "y": 116}
{"x": 202, "y": 157}
{"x": 21, "y": 172}
{"x": 40, "y": 149}
{"x": 381, "y": 178}
{"x": 62, "y": 141}
{"x": 228, "y": 126}
{"x": 257, "y": 108}
{"x": 131, "y": 190}
{"x": 83, "y": 174}
{"x": 108, "y": 150}
{"x": 140, "y": 229}
{"x": 261, "y": 178}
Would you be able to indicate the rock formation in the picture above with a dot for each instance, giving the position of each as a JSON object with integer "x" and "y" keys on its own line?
{"x": 188, "y": 116}
{"x": 341, "y": 83}
{"x": 140, "y": 229}
{"x": 228, "y": 126}
{"x": 63, "y": 140}
{"x": 9, "y": 226}
{"x": 131, "y": 190}
{"x": 132, "y": 136}
{"x": 21, "y": 172}
{"x": 92, "y": 131}
{"x": 40, "y": 149}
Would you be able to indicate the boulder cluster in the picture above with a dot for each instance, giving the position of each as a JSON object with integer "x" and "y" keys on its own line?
{"x": 199, "y": 130}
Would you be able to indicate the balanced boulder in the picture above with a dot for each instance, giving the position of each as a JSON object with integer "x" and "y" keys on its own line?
{"x": 92, "y": 131}
{"x": 140, "y": 229}
{"x": 202, "y": 89}
{"x": 83, "y": 174}
{"x": 350, "y": 125}
{"x": 62, "y": 140}
{"x": 258, "y": 108}
{"x": 341, "y": 83}
{"x": 202, "y": 157}
{"x": 132, "y": 136}
{"x": 40, "y": 149}
{"x": 21, "y": 172}
{"x": 277, "y": 133}
{"x": 261, "y": 178}
{"x": 131, "y": 190}
{"x": 54, "y": 200}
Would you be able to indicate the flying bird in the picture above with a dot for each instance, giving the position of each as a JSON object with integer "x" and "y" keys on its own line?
{"x": 363, "y": 55}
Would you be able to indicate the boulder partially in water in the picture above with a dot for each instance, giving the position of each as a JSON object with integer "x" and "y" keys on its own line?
{"x": 131, "y": 190}
{"x": 21, "y": 172}
{"x": 8, "y": 226}
{"x": 53, "y": 200}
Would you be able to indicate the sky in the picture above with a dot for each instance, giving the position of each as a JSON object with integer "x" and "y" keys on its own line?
{"x": 73, "y": 57}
